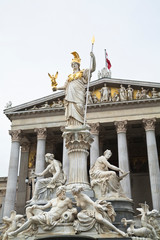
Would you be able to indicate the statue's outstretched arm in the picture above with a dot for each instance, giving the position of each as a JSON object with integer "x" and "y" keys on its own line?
{"x": 114, "y": 168}
{"x": 44, "y": 172}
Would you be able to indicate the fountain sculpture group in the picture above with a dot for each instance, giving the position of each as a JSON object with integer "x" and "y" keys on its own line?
{"x": 61, "y": 206}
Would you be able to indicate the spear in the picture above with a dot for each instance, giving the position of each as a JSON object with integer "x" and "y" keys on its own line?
{"x": 89, "y": 76}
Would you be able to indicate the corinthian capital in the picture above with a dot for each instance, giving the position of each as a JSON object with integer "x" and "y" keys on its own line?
{"x": 94, "y": 128}
{"x": 149, "y": 124}
{"x": 15, "y": 135}
{"x": 41, "y": 133}
{"x": 121, "y": 126}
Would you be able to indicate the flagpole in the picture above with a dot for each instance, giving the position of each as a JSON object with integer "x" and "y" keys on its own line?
{"x": 89, "y": 76}
{"x": 105, "y": 56}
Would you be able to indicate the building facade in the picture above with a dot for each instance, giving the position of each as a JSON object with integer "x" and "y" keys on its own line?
{"x": 124, "y": 116}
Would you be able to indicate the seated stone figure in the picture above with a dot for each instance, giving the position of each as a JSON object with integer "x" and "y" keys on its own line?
{"x": 47, "y": 219}
{"x": 99, "y": 214}
{"x": 45, "y": 187}
{"x": 106, "y": 183}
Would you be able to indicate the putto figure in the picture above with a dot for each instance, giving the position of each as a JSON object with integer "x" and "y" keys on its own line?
{"x": 75, "y": 91}
{"x": 105, "y": 182}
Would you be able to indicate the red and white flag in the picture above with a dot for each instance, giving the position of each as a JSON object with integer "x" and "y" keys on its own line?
{"x": 108, "y": 63}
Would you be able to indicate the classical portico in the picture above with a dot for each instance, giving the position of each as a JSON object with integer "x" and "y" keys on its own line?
{"x": 126, "y": 127}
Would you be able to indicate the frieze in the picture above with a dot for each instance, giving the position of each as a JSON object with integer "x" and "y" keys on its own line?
{"x": 149, "y": 124}
{"x": 106, "y": 95}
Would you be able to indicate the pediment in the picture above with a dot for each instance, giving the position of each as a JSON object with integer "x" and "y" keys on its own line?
{"x": 134, "y": 92}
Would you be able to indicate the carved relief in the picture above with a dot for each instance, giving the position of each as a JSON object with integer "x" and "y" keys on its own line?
{"x": 121, "y": 126}
{"x": 149, "y": 124}
{"x": 41, "y": 133}
{"x": 15, "y": 135}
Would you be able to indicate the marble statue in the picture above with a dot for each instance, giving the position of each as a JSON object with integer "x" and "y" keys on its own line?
{"x": 90, "y": 100}
{"x": 53, "y": 104}
{"x": 99, "y": 75}
{"x": 138, "y": 94}
{"x": 115, "y": 97}
{"x": 105, "y": 182}
{"x": 105, "y": 93}
{"x": 8, "y": 105}
{"x": 105, "y": 73}
{"x": 130, "y": 93}
{"x": 144, "y": 93}
{"x": 150, "y": 228}
{"x": 94, "y": 97}
{"x": 11, "y": 224}
{"x": 45, "y": 186}
{"x": 59, "y": 103}
{"x": 75, "y": 91}
{"x": 45, "y": 105}
{"x": 34, "y": 108}
{"x": 122, "y": 93}
{"x": 99, "y": 214}
{"x": 154, "y": 93}
{"x": 47, "y": 219}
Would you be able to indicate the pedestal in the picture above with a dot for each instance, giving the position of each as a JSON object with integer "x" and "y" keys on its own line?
{"x": 123, "y": 209}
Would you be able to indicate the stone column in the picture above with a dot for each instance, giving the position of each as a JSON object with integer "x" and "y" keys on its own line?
{"x": 149, "y": 125}
{"x": 94, "y": 150}
{"x": 41, "y": 144}
{"x": 78, "y": 141}
{"x": 12, "y": 173}
{"x": 23, "y": 174}
{"x": 121, "y": 127}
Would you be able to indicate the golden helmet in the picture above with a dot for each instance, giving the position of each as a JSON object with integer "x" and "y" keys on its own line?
{"x": 76, "y": 57}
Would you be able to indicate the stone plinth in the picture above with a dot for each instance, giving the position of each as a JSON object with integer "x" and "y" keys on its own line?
{"x": 123, "y": 209}
{"x": 78, "y": 141}
{"x": 66, "y": 231}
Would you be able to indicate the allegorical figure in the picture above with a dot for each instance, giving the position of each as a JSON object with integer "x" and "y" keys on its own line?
{"x": 93, "y": 213}
{"x": 55, "y": 168}
{"x": 47, "y": 219}
{"x": 105, "y": 92}
{"x": 75, "y": 91}
{"x": 122, "y": 93}
{"x": 105, "y": 179}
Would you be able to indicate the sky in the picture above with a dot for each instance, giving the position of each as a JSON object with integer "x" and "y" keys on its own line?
{"x": 37, "y": 37}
